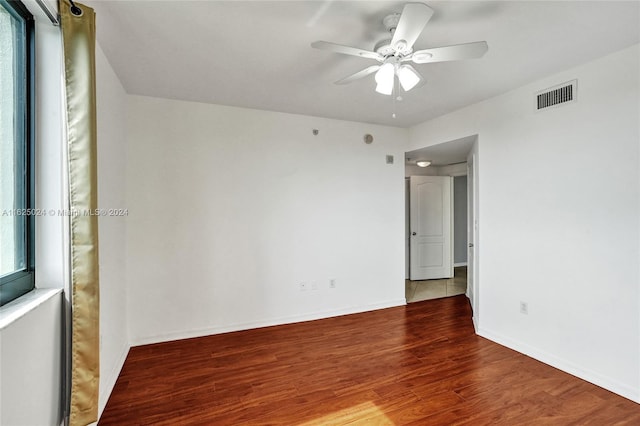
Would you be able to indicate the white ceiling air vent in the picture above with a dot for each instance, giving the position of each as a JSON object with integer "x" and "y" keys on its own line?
{"x": 558, "y": 95}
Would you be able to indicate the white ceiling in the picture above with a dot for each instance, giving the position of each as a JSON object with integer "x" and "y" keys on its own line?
{"x": 257, "y": 54}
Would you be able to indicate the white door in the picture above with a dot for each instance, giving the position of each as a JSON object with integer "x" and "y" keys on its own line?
{"x": 431, "y": 248}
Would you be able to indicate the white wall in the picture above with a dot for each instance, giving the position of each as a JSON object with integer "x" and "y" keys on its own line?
{"x": 458, "y": 169}
{"x": 555, "y": 231}
{"x": 412, "y": 170}
{"x": 230, "y": 209}
{"x": 50, "y": 195}
{"x": 31, "y": 364}
{"x": 112, "y": 156}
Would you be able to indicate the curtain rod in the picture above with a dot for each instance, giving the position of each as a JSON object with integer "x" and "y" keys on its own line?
{"x": 54, "y": 18}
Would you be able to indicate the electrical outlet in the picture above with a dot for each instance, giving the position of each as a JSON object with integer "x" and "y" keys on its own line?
{"x": 524, "y": 308}
{"x": 332, "y": 283}
{"x": 304, "y": 286}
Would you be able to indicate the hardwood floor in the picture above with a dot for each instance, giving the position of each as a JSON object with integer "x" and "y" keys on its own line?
{"x": 421, "y": 364}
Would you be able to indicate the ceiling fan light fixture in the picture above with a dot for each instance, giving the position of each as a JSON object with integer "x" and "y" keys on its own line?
{"x": 423, "y": 163}
{"x": 408, "y": 78}
{"x": 385, "y": 78}
{"x": 384, "y": 89}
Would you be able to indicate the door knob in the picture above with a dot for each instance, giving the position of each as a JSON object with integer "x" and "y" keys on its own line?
{"x": 413, "y": 233}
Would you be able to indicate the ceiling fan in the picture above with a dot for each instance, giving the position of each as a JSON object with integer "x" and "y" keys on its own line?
{"x": 394, "y": 53}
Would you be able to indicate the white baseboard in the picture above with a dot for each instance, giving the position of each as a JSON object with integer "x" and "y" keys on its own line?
{"x": 111, "y": 379}
{"x": 473, "y": 314}
{"x": 564, "y": 365}
{"x": 188, "y": 334}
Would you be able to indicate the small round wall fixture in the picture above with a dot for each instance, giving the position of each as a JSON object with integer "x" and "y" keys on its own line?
{"x": 368, "y": 139}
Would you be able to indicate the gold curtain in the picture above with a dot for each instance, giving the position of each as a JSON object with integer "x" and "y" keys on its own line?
{"x": 78, "y": 33}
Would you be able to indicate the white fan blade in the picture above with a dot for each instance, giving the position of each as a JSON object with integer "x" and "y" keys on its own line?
{"x": 450, "y": 53}
{"x": 347, "y": 50}
{"x": 412, "y": 21}
{"x": 360, "y": 74}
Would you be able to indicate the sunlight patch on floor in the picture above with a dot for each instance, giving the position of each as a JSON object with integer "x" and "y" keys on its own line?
{"x": 365, "y": 413}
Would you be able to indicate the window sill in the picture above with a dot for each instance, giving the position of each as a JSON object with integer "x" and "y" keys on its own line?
{"x": 16, "y": 309}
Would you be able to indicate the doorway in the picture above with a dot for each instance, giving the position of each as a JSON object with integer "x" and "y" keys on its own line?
{"x": 447, "y": 160}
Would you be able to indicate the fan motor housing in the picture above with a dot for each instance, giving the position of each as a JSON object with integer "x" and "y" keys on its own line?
{"x": 384, "y": 48}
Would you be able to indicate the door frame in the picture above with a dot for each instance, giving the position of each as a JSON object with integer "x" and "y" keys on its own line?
{"x": 473, "y": 219}
{"x": 472, "y": 213}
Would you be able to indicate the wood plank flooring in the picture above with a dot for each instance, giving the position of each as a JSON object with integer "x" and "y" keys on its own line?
{"x": 416, "y": 365}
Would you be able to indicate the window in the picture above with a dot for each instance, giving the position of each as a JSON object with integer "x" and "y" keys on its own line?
{"x": 16, "y": 151}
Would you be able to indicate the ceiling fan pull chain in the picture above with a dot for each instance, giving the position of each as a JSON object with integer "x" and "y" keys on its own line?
{"x": 393, "y": 95}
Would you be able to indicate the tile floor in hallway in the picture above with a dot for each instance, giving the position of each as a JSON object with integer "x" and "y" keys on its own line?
{"x": 416, "y": 291}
